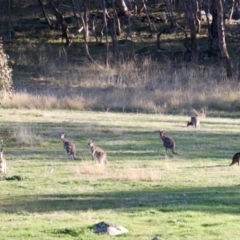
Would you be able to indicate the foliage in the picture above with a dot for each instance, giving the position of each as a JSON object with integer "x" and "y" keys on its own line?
{"x": 5, "y": 74}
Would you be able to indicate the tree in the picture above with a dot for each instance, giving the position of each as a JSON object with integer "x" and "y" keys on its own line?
{"x": 5, "y": 74}
{"x": 45, "y": 14}
{"x": 222, "y": 41}
{"x": 106, "y": 29}
{"x": 191, "y": 9}
{"x": 59, "y": 16}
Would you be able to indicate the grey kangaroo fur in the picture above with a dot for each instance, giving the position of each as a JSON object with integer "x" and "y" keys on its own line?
{"x": 235, "y": 159}
{"x": 168, "y": 142}
{"x": 68, "y": 146}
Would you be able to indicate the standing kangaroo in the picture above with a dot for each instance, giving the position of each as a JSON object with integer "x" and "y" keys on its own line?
{"x": 68, "y": 146}
{"x": 98, "y": 152}
{"x": 168, "y": 142}
{"x": 235, "y": 159}
{"x": 3, "y": 163}
{"x": 195, "y": 122}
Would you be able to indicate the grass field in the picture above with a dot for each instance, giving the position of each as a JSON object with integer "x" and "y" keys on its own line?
{"x": 193, "y": 195}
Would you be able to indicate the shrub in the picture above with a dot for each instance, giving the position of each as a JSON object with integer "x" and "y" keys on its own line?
{"x": 5, "y": 74}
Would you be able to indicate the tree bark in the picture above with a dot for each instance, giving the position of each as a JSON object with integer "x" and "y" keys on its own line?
{"x": 231, "y": 11}
{"x": 106, "y": 30}
{"x": 88, "y": 55}
{"x": 114, "y": 29}
{"x": 170, "y": 11}
{"x": 75, "y": 15}
{"x": 214, "y": 25}
{"x": 190, "y": 11}
{"x": 222, "y": 41}
{"x": 45, "y": 14}
{"x": 85, "y": 16}
{"x": 124, "y": 5}
{"x": 60, "y": 19}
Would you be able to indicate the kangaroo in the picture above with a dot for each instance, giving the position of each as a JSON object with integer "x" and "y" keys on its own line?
{"x": 195, "y": 122}
{"x": 3, "y": 163}
{"x": 235, "y": 159}
{"x": 98, "y": 152}
{"x": 68, "y": 146}
{"x": 168, "y": 142}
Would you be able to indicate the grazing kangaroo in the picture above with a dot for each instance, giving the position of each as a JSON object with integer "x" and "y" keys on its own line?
{"x": 3, "y": 163}
{"x": 235, "y": 159}
{"x": 98, "y": 152}
{"x": 168, "y": 142}
{"x": 195, "y": 122}
{"x": 68, "y": 146}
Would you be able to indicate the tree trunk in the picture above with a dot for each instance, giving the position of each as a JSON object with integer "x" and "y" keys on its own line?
{"x": 190, "y": 11}
{"x": 89, "y": 57}
{"x": 124, "y": 5}
{"x": 222, "y": 41}
{"x": 114, "y": 30}
{"x": 9, "y": 22}
{"x": 106, "y": 30}
{"x": 214, "y": 25}
{"x": 231, "y": 10}
{"x": 45, "y": 14}
{"x": 61, "y": 21}
{"x": 86, "y": 13}
{"x": 170, "y": 11}
{"x": 198, "y": 17}
{"x": 148, "y": 19}
{"x": 79, "y": 28}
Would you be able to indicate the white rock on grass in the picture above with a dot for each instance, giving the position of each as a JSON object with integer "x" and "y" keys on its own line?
{"x": 109, "y": 228}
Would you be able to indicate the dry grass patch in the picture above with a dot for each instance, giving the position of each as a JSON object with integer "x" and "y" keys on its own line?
{"x": 114, "y": 172}
{"x": 90, "y": 169}
{"x": 25, "y": 136}
{"x": 31, "y": 101}
{"x": 137, "y": 174}
{"x": 135, "y": 87}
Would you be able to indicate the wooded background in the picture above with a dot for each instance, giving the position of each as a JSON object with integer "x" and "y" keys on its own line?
{"x": 160, "y": 50}
{"x": 110, "y": 32}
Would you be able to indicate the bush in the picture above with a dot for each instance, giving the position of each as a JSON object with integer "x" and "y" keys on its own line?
{"x": 5, "y": 74}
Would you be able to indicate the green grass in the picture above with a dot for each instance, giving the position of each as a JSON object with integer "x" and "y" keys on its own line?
{"x": 193, "y": 195}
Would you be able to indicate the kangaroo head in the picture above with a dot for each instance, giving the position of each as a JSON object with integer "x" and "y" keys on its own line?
{"x": 62, "y": 135}
{"x": 161, "y": 133}
{"x": 90, "y": 143}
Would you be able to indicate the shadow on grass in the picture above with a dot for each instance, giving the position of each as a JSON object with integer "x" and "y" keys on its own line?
{"x": 211, "y": 166}
{"x": 213, "y": 200}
